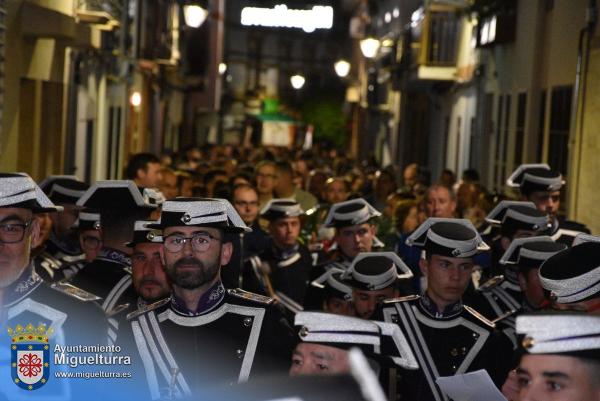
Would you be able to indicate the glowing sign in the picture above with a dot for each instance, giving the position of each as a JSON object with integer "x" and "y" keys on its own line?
{"x": 318, "y": 17}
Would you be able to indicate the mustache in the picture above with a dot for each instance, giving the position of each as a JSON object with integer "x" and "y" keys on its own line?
{"x": 149, "y": 280}
{"x": 187, "y": 261}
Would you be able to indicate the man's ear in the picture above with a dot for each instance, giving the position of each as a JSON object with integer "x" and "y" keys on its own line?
{"x": 423, "y": 265}
{"x": 226, "y": 252}
{"x": 35, "y": 233}
{"x": 161, "y": 252}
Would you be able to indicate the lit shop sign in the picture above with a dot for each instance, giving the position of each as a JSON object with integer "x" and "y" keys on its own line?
{"x": 318, "y": 17}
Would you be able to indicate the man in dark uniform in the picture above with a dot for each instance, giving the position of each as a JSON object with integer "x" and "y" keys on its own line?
{"x": 539, "y": 184}
{"x": 148, "y": 276}
{"x": 64, "y": 191}
{"x": 501, "y": 296}
{"x": 204, "y": 334}
{"x": 354, "y": 233}
{"x": 446, "y": 336}
{"x": 63, "y": 315}
{"x": 120, "y": 203}
{"x": 528, "y": 255}
{"x": 61, "y": 248}
{"x": 374, "y": 277}
{"x": 337, "y": 295}
{"x": 283, "y": 267}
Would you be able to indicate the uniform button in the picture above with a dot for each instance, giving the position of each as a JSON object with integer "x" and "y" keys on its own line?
{"x": 239, "y": 353}
{"x": 475, "y": 335}
{"x": 247, "y": 321}
{"x": 453, "y": 367}
{"x": 463, "y": 350}
{"x": 454, "y": 352}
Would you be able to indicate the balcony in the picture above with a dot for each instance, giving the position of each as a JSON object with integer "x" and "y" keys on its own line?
{"x": 436, "y": 33}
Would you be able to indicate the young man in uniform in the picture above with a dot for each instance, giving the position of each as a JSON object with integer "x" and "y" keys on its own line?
{"x": 204, "y": 334}
{"x": 446, "y": 336}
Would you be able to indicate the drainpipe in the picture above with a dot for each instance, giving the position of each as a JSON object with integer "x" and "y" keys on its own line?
{"x": 579, "y": 95}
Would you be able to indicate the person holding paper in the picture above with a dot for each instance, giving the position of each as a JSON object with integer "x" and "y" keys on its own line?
{"x": 447, "y": 337}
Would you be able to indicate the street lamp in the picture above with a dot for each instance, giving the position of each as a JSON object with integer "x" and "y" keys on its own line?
{"x": 297, "y": 81}
{"x": 342, "y": 68}
{"x": 194, "y": 15}
{"x": 369, "y": 46}
{"x": 136, "y": 99}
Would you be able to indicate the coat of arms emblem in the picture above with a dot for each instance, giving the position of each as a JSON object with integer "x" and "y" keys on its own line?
{"x": 30, "y": 356}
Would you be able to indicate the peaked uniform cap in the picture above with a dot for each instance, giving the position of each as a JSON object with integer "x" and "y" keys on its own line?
{"x": 514, "y": 215}
{"x": 372, "y": 271}
{"x": 88, "y": 220}
{"x": 535, "y": 177}
{"x": 530, "y": 252}
{"x": 569, "y": 334}
{"x": 281, "y": 208}
{"x": 347, "y": 332}
{"x": 573, "y": 275}
{"x": 64, "y": 188}
{"x": 456, "y": 238}
{"x": 333, "y": 285}
{"x": 20, "y": 191}
{"x": 144, "y": 234}
{"x": 350, "y": 213}
{"x": 200, "y": 212}
{"x": 120, "y": 195}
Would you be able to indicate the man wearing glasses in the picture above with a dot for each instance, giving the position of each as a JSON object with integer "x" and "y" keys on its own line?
{"x": 203, "y": 334}
{"x": 25, "y": 298}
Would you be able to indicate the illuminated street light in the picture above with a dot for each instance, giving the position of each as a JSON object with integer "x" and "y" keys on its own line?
{"x": 369, "y": 47}
{"x": 194, "y": 15}
{"x": 136, "y": 99}
{"x": 297, "y": 81}
{"x": 342, "y": 68}
{"x": 222, "y": 68}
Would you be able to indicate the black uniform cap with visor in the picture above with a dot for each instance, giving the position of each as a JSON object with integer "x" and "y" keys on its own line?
{"x": 456, "y": 238}
{"x": 530, "y": 178}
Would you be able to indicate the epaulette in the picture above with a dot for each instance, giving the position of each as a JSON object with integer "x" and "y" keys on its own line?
{"x": 504, "y": 316}
{"x": 250, "y": 296}
{"x": 74, "y": 292}
{"x": 116, "y": 310}
{"x": 480, "y": 317}
{"x": 147, "y": 308}
{"x": 401, "y": 299}
{"x": 491, "y": 283}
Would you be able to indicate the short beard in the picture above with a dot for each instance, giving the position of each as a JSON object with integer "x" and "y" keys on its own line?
{"x": 190, "y": 280}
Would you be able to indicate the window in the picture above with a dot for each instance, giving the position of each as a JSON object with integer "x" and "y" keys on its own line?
{"x": 560, "y": 119}
{"x": 541, "y": 126}
{"x": 520, "y": 128}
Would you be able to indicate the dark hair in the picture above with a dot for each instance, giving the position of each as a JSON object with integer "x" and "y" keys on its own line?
{"x": 242, "y": 186}
{"x": 470, "y": 175}
{"x": 139, "y": 161}
{"x": 283, "y": 166}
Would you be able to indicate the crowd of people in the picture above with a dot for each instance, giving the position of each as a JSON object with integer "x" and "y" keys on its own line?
{"x": 220, "y": 270}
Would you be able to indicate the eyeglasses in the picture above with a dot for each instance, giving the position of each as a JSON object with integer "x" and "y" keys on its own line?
{"x": 11, "y": 233}
{"x": 90, "y": 242}
{"x": 200, "y": 242}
